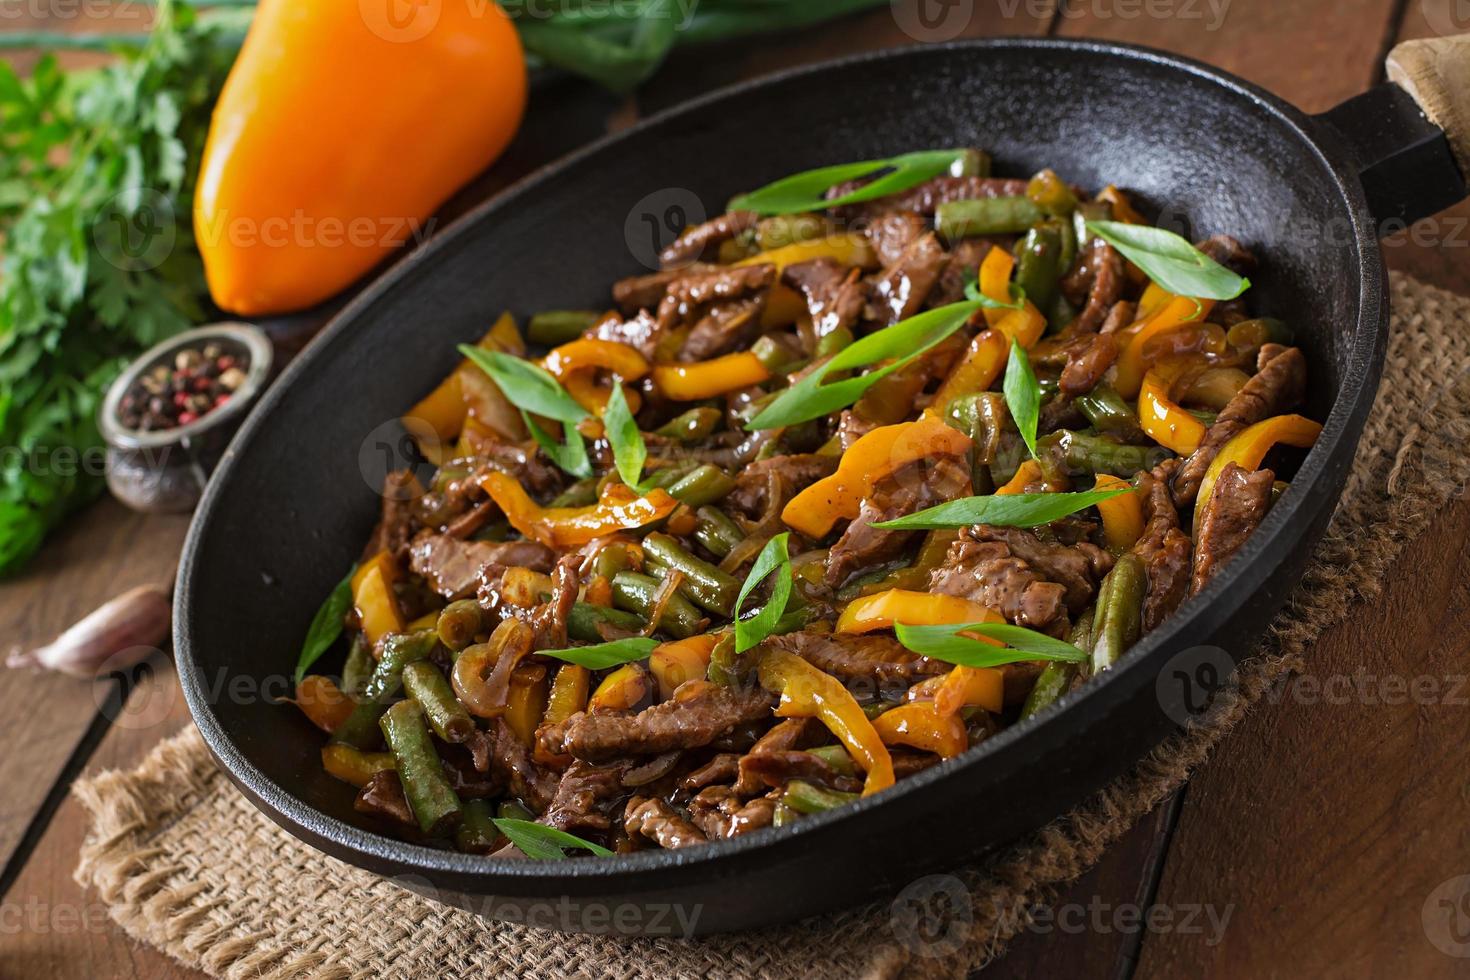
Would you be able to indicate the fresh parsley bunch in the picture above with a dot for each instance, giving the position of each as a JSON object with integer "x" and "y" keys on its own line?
{"x": 97, "y": 174}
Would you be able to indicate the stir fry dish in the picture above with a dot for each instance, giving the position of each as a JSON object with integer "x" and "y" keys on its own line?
{"x": 888, "y": 457}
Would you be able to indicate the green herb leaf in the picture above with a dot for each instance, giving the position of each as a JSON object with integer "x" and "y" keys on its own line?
{"x": 601, "y": 656}
{"x": 809, "y": 398}
{"x": 528, "y": 386}
{"x": 570, "y": 456}
{"x": 947, "y": 643}
{"x": 773, "y": 558}
{"x": 1023, "y": 395}
{"x": 326, "y": 625}
{"x": 806, "y": 191}
{"x": 1171, "y": 261}
{"x": 629, "y": 450}
{"x": 542, "y": 843}
{"x": 1007, "y": 510}
{"x": 974, "y": 295}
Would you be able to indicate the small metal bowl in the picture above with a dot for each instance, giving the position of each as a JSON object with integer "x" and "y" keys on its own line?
{"x": 164, "y": 471}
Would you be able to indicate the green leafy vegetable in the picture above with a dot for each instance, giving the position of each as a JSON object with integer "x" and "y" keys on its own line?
{"x": 1171, "y": 261}
{"x": 570, "y": 455}
{"x": 629, "y": 450}
{"x": 1023, "y": 395}
{"x": 1007, "y": 510}
{"x": 974, "y": 295}
{"x": 948, "y": 643}
{"x": 530, "y": 387}
{"x": 809, "y": 398}
{"x": 773, "y": 558}
{"x": 601, "y": 656}
{"x": 806, "y": 191}
{"x": 326, "y": 625}
{"x": 542, "y": 843}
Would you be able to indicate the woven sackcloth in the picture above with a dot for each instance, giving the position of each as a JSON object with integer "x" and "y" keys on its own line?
{"x": 185, "y": 863}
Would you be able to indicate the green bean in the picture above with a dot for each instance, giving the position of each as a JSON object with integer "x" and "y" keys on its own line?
{"x": 1051, "y": 194}
{"x": 511, "y": 810}
{"x": 1038, "y": 264}
{"x": 666, "y": 476}
{"x": 803, "y": 797}
{"x": 1056, "y": 677}
{"x": 971, "y": 163}
{"x": 584, "y": 620}
{"x": 1204, "y": 415}
{"x": 988, "y": 216}
{"x": 705, "y": 485}
{"x": 450, "y": 721}
{"x": 1117, "y": 624}
{"x": 705, "y": 584}
{"x": 459, "y": 623}
{"x": 476, "y": 834}
{"x": 834, "y": 342}
{"x": 635, "y": 593}
{"x": 836, "y": 756}
{"x": 359, "y": 666}
{"x": 692, "y": 426}
{"x": 555, "y": 327}
{"x": 716, "y": 531}
{"x": 430, "y": 796}
{"x": 775, "y": 356}
{"x": 783, "y": 815}
{"x": 781, "y": 230}
{"x": 1068, "y": 256}
{"x": 583, "y": 493}
{"x": 1108, "y": 412}
{"x": 875, "y": 708}
{"x": 1082, "y": 453}
{"x": 360, "y": 730}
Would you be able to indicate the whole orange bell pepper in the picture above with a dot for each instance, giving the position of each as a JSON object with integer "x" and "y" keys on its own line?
{"x": 807, "y": 692}
{"x": 879, "y": 453}
{"x": 338, "y": 133}
{"x": 1250, "y": 445}
{"x": 922, "y": 726}
{"x": 620, "y": 509}
{"x": 710, "y": 379}
{"x": 881, "y": 610}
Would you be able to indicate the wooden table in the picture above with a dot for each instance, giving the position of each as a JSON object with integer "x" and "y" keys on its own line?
{"x": 1317, "y": 834}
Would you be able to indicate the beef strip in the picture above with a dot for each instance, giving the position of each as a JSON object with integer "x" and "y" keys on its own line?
{"x": 720, "y": 812}
{"x": 641, "y": 332}
{"x": 1230, "y": 253}
{"x": 452, "y": 567}
{"x": 1164, "y": 548}
{"x": 549, "y": 619}
{"x": 694, "y": 289}
{"x": 835, "y": 295}
{"x": 985, "y": 570}
{"x": 926, "y": 197}
{"x": 724, "y": 328}
{"x": 781, "y": 737}
{"x": 914, "y": 487}
{"x": 960, "y": 268}
{"x": 893, "y": 232}
{"x": 585, "y": 797}
{"x": 694, "y": 242}
{"x": 1079, "y": 568}
{"x": 382, "y": 796}
{"x": 1277, "y": 387}
{"x": 776, "y": 769}
{"x": 645, "y": 292}
{"x": 1087, "y": 361}
{"x": 396, "y": 521}
{"x": 723, "y": 768}
{"x": 797, "y": 472}
{"x": 510, "y": 761}
{"x": 1121, "y": 315}
{"x": 901, "y": 289}
{"x": 1096, "y": 283}
{"x": 660, "y": 823}
{"x": 851, "y": 427}
{"x": 1237, "y": 505}
{"x": 872, "y": 659}
{"x": 670, "y": 725}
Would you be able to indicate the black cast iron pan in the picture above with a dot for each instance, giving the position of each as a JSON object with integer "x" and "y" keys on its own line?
{"x": 289, "y": 508}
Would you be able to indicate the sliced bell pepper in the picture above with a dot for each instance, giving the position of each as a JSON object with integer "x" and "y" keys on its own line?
{"x": 373, "y": 598}
{"x": 527, "y": 702}
{"x": 995, "y": 282}
{"x": 882, "y": 610}
{"x": 962, "y": 687}
{"x": 427, "y": 621}
{"x": 879, "y": 453}
{"x": 352, "y": 765}
{"x": 445, "y": 408}
{"x": 619, "y": 509}
{"x": 1162, "y": 419}
{"x": 921, "y": 726}
{"x": 1153, "y": 297}
{"x": 323, "y": 702}
{"x": 1250, "y": 445}
{"x": 1027, "y": 473}
{"x": 982, "y": 364}
{"x": 1122, "y": 516}
{"x": 785, "y": 305}
{"x": 568, "y": 693}
{"x": 807, "y": 692}
{"x": 625, "y": 689}
{"x": 576, "y": 366}
{"x": 1172, "y": 315}
{"x": 709, "y": 379}
{"x": 1123, "y": 209}
{"x": 681, "y": 660}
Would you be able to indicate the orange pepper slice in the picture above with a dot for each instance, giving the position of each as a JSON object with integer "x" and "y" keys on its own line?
{"x": 995, "y": 282}
{"x": 590, "y": 354}
{"x": 1250, "y": 446}
{"x": 709, "y": 379}
{"x": 807, "y": 692}
{"x": 1162, "y": 419}
{"x": 373, "y": 598}
{"x": 1122, "y": 516}
{"x": 922, "y": 726}
{"x": 881, "y": 610}
{"x": 679, "y": 661}
{"x": 620, "y": 509}
{"x": 964, "y": 686}
{"x": 1027, "y": 473}
{"x": 1172, "y": 315}
{"x": 622, "y": 690}
{"x": 874, "y": 456}
{"x": 446, "y": 407}
{"x": 983, "y": 361}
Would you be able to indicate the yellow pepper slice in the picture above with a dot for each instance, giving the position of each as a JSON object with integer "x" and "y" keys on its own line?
{"x": 682, "y": 660}
{"x": 445, "y": 408}
{"x": 995, "y": 282}
{"x": 1250, "y": 445}
{"x": 807, "y": 692}
{"x": 568, "y": 693}
{"x": 373, "y": 598}
{"x": 1153, "y": 297}
{"x": 354, "y": 765}
{"x": 527, "y": 701}
{"x": 577, "y": 363}
{"x": 983, "y": 362}
{"x": 1123, "y": 209}
{"x": 1027, "y": 473}
{"x": 1122, "y": 516}
{"x": 874, "y": 456}
{"x": 922, "y": 726}
{"x": 983, "y": 687}
{"x": 623, "y": 690}
{"x": 1172, "y": 315}
{"x": 620, "y": 509}
{"x": 881, "y": 610}
{"x": 709, "y": 379}
{"x": 846, "y": 250}
{"x": 1162, "y": 419}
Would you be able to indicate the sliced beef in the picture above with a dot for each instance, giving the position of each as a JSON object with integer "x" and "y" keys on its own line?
{"x": 835, "y": 295}
{"x": 901, "y": 289}
{"x": 893, "y": 232}
{"x": 776, "y": 769}
{"x": 382, "y": 796}
{"x": 1230, "y": 253}
{"x": 912, "y": 488}
{"x": 646, "y": 292}
{"x": 396, "y": 516}
{"x": 851, "y": 427}
{"x": 452, "y": 567}
{"x": 1088, "y": 359}
{"x": 797, "y": 472}
{"x": 720, "y": 812}
{"x": 641, "y": 331}
{"x": 694, "y": 242}
{"x": 1237, "y": 505}
{"x": 671, "y": 725}
{"x": 1079, "y": 568}
{"x": 694, "y": 289}
{"x": 723, "y": 768}
{"x": 661, "y": 823}
{"x": 782, "y": 737}
{"x": 726, "y": 327}
{"x": 1164, "y": 548}
{"x": 1277, "y": 387}
{"x": 1096, "y": 284}
{"x": 549, "y": 619}
{"x": 960, "y": 269}
{"x": 870, "y": 658}
{"x": 510, "y": 761}
{"x": 926, "y": 197}
{"x": 1121, "y": 315}
{"x": 986, "y": 571}
{"x": 529, "y": 467}
{"x": 585, "y": 797}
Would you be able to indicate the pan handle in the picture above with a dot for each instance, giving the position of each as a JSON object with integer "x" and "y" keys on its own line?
{"x": 1436, "y": 74}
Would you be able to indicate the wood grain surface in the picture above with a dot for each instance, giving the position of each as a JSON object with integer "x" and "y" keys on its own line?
{"x": 1318, "y": 834}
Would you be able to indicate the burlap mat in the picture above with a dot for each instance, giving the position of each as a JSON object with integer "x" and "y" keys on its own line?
{"x": 185, "y": 863}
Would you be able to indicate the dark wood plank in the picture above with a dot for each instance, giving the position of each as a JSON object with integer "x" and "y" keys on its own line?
{"x": 67, "y": 934}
